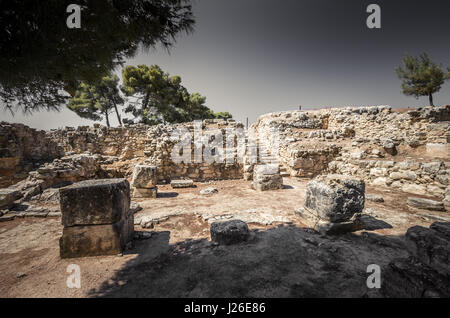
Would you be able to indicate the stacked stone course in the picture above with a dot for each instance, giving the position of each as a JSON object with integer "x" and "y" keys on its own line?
{"x": 97, "y": 218}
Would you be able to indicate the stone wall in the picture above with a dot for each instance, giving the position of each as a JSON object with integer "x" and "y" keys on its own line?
{"x": 408, "y": 150}
{"x": 23, "y": 149}
{"x": 151, "y": 145}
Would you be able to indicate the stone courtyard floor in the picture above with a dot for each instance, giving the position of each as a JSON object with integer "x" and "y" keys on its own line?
{"x": 282, "y": 259}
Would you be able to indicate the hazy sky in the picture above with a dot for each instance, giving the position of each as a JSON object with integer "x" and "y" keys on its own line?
{"x": 250, "y": 57}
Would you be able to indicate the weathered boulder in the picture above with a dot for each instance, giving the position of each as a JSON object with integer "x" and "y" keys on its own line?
{"x": 94, "y": 240}
{"x": 144, "y": 176}
{"x": 182, "y": 183}
{"x": 410, "y": 278}
{"x": 431, "y": 246}
{"x": 8, "y": 196}
{"x": 103, "y": 201}
{"x": 335, "y": 198}
{"x": 426, "y": 204}
{"x": 267, "y": 177}
{"x": 229, "y": 232}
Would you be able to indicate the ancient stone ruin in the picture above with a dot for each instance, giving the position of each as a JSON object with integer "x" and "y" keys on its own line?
{"x": 334, "y": 204}
{"x": 96, "y": 218}
{"x": 313, "y": 188}
{"x": 267, "y": 177}
{"x": 144, "y": 182}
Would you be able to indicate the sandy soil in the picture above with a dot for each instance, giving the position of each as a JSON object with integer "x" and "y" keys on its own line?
{"x": 283, "y": 259}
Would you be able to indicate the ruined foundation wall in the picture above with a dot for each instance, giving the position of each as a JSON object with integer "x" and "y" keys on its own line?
{"x": 408, "y": 150}
{"x": 23, "y": 149}
{"x": 152, "y": 145}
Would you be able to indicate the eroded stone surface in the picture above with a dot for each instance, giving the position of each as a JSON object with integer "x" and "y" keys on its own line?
{"x": 335, "y": 198}
{"x": 267, "y": 177}
{"x": 7, "y": 197}
{"x": 431, "y": 246}
{"x": 145, "y": 193}
{"x": 94, "y": 240}
{"x": 144, "y": 176}
{"x": 104, "y": 201}
{"x": 182, "y": 184}
{"x": 426, "y": 204}
{"x": 229, "y": 232}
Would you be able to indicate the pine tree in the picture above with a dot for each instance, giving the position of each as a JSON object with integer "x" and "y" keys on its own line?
{"x": 95, "y": 101}
{"x": 421, "y": 76}
{"x": 40, "y": 57}
{"x": 160, "y": 98}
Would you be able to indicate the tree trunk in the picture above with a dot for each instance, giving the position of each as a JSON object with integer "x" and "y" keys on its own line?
{"x": 117, "y": 113}
{"x": 107, "y": 119}
{"x": 430, "y": 96}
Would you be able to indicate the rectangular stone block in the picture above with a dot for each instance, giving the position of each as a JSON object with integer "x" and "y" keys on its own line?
{"x": 144, "y": 176}
{"x": 182, "y": 184}
{"x": 145, "y": 193}
{"x": 310, "y": 219}
{"x": 92, "y": 202}
{"x": 267, "y": 177}
{"x": 95, "y": 240}
{"x": 335, "y": 198}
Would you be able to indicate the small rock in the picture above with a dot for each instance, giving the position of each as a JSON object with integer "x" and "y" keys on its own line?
{"x": 20, "y": 275}
{"x": 7, "y": 217}
{"x": 135, "y": 207}
{"x": 374, "y": 198}
{"x": 142, "y": 235}
{"x": 208, "y": 191}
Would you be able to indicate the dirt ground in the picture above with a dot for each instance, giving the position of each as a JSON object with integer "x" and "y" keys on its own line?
{"x": 282, "y": 258}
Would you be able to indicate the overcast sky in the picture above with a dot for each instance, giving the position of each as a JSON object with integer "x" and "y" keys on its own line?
{"x": 250, "y": 57}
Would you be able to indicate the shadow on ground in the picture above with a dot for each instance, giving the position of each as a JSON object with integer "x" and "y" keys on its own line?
{"x": 285, "y": 261}
{"x": 167, "y": 194}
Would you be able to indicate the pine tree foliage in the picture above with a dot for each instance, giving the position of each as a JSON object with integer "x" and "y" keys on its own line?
{"x": 420, "y": 76}
{"x": 41, "y": 59}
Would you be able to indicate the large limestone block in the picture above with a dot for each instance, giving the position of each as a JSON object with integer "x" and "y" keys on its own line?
{"x": 312, "y": 220}
{"x": 144, "y": 176}
{"x": 104, "y": 201}
{"x": 94, "y": 240}
{"x": 335, "y": 198}
{"x": 8, "y": 196}
{"x": 145, "y": 193}
{"x": 267, "y": 177}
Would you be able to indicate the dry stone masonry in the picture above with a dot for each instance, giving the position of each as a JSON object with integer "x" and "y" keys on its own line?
{"x": 403, "y": 150}
{"x": 96, "y": 218}
{"x": 406, "y": 150}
